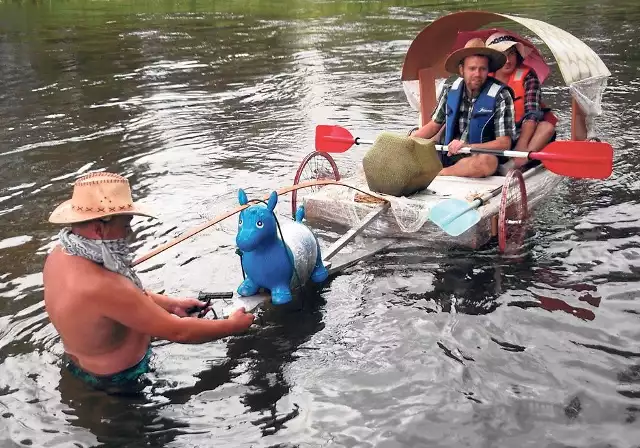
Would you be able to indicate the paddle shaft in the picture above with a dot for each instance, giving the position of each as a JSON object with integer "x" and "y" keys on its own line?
{"x": 527, "y": 174}
{"x": 468, "y": 150}
{"x": 465, "y": 150}
{"x": 524, "y": 154}
{"x": 350, "y": 140}
{"x": 579, "y": 159}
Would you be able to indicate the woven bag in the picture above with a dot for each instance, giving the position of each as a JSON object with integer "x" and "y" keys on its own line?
{"x": 399, "y": 165}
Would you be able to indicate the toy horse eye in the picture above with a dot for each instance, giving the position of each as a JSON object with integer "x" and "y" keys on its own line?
{"x": 240, "y": 222}
{"x": 259, "y": 224}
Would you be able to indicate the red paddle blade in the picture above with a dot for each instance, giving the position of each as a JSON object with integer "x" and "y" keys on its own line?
{"x": 585, "y": 160}
{"x": 333, "y": 138}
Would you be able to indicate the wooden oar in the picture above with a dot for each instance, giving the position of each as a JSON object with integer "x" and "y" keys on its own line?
{"x": 226, "y": 215}
{"x": 579, "y": 159}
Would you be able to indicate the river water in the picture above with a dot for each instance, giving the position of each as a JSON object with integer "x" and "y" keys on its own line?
{"x": 193, "y": 100}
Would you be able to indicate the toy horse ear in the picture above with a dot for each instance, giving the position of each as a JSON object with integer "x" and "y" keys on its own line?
{"x": 273, "y": 200}
{"x": 242, "y": 197}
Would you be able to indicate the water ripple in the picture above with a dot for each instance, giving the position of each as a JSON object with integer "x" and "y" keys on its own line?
{"x": 192, "y": 105}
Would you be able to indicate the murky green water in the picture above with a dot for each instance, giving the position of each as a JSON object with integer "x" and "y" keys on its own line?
{"x": 194, "y": 100}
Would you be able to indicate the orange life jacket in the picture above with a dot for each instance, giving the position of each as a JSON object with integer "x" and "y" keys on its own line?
{"x": 516, "y": 82}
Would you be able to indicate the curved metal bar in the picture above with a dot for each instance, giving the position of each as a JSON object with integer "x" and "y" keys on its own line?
{"x": 576, "y": 60}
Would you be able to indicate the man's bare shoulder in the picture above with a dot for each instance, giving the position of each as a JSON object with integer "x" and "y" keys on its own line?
{"x": 80, "y": 276}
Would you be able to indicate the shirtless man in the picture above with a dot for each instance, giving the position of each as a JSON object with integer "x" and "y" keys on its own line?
{"x": 95, "y": 300}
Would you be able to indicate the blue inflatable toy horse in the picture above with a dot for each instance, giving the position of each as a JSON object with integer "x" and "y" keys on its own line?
{"x": 267, "y": 260}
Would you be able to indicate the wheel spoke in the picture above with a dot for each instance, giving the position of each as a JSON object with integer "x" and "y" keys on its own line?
{"x": 315, "y": 166}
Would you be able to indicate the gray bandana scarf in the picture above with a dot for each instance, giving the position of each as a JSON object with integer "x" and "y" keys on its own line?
{"x": 114, "y": 255}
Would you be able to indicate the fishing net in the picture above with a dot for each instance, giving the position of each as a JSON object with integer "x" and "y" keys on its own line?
{"x": 409, "y": 214}
{"x": 405, "y": 215}
{"x": 219, "y": 204}
{"x": 398, "y": 165}
{"x": 588, "y": 94}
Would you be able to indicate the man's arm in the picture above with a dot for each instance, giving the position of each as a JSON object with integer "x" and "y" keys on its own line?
{"x": 177, "y": 306}
{"x": 120, "y": 300}
{"x": 532, "y": 110}
{"x": 527, "y": 130}
{"x": 162, "y": 301}
{"x": 429, "y": 130}
{"x": 499, "y": 144}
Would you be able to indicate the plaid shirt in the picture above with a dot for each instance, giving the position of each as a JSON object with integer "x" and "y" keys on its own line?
{"x": 532, "y": 98}
{"x": 503, "y": 120}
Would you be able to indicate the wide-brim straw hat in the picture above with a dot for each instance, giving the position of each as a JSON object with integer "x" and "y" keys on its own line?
{"x": 503, "y": 41}
{"x": 475, "y": 47}
{"x": 98, "y": 195}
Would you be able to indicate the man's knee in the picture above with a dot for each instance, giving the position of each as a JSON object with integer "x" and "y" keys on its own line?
{"x": 487, "y": 163}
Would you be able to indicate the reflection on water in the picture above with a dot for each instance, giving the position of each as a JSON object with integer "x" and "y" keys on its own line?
{"x": 243, "y": 384}
{"x": 192, "y": 101}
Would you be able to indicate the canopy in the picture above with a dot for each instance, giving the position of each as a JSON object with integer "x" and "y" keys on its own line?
{"x": 533, "y": 59}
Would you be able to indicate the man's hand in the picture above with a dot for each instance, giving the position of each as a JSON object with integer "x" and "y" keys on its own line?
{"x": 455, "y": 146}
{"x": 241, "y": 320}
{"x": 182, "y": 307}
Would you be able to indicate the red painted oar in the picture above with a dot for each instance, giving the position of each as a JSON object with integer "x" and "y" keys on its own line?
{"x": 336, "y": 139}
{"x": 580, "y": 159}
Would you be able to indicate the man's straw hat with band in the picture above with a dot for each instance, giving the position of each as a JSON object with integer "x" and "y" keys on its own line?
{"x": 503, "y": 41}
{"x": 474, "y": 47}
{"x": 98, "y": 195}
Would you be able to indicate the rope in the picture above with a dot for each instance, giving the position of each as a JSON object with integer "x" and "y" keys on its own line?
{"x": 226, "y": 215}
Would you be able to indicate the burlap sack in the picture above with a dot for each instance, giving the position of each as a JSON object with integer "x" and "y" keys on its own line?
{"x": 398, "y": 165}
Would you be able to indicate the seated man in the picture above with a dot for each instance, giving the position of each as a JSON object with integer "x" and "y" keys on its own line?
{"x": 96, "y": 301}
{"x": 535, "y": 124}
{"x": 476, "y": 110}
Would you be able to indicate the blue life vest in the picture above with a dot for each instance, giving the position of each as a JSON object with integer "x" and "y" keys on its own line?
{"x": 480, "y": 125}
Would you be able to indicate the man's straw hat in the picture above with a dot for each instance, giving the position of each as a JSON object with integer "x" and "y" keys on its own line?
{"x": 98, "y": 195}
{"x": 475, "y": 47}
